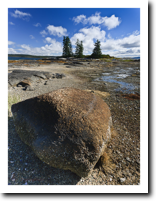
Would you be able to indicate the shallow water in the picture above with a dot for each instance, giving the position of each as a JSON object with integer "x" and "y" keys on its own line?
{"x": 118, "y": 76}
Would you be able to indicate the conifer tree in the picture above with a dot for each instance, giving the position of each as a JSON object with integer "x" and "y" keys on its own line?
{"x": 97, "y": 50}
{"x": 79, "y": 49}
{"x": 67, "y": 47}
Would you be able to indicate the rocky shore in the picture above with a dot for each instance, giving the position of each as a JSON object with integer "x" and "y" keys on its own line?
{"x": 116, "y": 82}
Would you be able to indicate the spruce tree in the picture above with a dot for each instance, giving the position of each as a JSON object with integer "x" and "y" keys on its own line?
{"x": 97, "y": 50}
{"x": 79, "y": 49}
{"x": 67, "y": 47}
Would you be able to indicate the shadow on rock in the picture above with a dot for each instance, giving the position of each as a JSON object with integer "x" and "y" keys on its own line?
{"x": 24, "y": 167}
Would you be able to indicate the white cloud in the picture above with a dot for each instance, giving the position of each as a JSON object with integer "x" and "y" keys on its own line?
{"x": 32, "y": 37}
{"x": 11, "y": 23}
{"x": 53, "y": 48}
{"x": 131, "y": 41}
{"x": 57, "y": 46}
{"x": 109, "y": 36}
{"x": 127, "y": 46}
{"x": 12, "y": 51}
{"x": 20, "y": 14}
{"x": 10, "y": 43}
{"x": 109, "y": 22}
{"x": 26, "y": 47}
{"x": 57, "y": 31}
{"x": 80, "y": 18}
{"x": 37, "y": 25}
{"x": 49, "y": 40}
{"x": 43, "y": 33}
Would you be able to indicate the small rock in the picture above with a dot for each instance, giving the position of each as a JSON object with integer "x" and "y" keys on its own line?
{"x": 19, "y": 85}
{"x": 122, "y": 180}
{"x": 128, "y": 159}
{"x": 57, "y": 75}
{"x": 29, "y": 88}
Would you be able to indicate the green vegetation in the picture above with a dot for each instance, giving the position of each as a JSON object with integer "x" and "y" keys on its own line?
{"x": 97, "y": 50}
{"x": 67, "y": 47}
{"x": 79, "y": 49}
{"x": 12, "y": 100}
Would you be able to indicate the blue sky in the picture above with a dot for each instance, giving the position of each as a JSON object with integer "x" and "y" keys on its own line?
{"x": 40, "y": 31}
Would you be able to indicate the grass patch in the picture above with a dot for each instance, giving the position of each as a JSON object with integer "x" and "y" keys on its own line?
{"x": 12, "y": 100}
{"x": 106, "y": 60}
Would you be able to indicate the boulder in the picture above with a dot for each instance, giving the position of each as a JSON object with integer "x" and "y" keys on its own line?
{"x": 25, "y": 82}
{"x": 67, "y": 129}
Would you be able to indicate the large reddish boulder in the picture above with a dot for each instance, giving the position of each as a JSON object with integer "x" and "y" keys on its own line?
{"x": 67, "y": 129}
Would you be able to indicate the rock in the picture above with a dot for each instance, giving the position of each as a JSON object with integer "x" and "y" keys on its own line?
{"x": 64, "y": 59}
{"x": 29, "y": 88}
{"x": 40, "y": 75}
{"x": 24, "y": 83}
{"x": 19, "y": 75}
{"x": 67, "y": 129}
{"x": 58, "y": 75}
{"x": 19, "y": 85}
{"x": 128, "y": 159}
{"x": 48, "y": 75}
{"x": 75, "y": 62}
{"x": 122, "y": 180}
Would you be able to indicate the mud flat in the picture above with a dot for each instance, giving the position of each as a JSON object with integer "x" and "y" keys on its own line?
{"x": 118, "y": 84}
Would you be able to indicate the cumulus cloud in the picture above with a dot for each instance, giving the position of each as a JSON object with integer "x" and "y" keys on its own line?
{"x": 11, "y": 23}
{"x": 12, "y": 51}
{"x": 57, "y": 31}
{"x": 132, "y": 41}
{"x": 20, "y": 14}
{"x": 26, "y": 47}
{"x": 127, "y": 46}
{"x": 32, "y": 37}
{"x": 53, "y": 48}
{"x": 43, "y": 33}
{"x": 53, "y": 44}
{"x": 109, "y": 22}
{"x": 10, "y": 43}
{"x": 37, "y": 25}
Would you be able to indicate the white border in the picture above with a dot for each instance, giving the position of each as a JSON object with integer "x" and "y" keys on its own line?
{"x": 143, "y": 187}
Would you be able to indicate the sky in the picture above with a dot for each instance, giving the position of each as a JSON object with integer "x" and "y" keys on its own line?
{"x": 40, "y": 31}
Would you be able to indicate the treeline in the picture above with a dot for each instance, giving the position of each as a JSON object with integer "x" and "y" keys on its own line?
{"x": 28, "y": 56}
{"x": 67, "y": 49}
